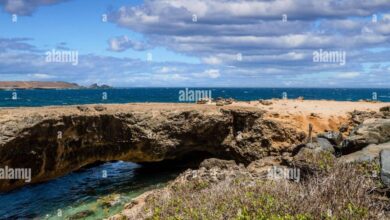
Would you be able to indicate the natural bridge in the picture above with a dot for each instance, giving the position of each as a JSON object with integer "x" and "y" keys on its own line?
{"x": 54, "y": 141}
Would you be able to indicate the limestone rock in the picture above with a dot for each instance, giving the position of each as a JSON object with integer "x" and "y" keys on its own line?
{"x": 214, "y": 162}
{"x": 367, "y": 154}
{"x": 263, "y": 165}
{"x": 371, "y": 131}
{"x": 134, "y": 133}
{"x": 385, "y": 166}
{"x": 385, "y": 109}
{"x": 321, "y": 144}
{"x": 335, "y": 138}
{"x": 99, "y": 108}
{"x": 82, "y": 108}
{"x": 265, "y": 102}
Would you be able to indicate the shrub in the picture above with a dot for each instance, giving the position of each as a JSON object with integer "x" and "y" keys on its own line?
{"x": 340, "y": 193}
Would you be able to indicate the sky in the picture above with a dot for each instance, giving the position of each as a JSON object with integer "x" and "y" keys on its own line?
{"x": 197, "y": 43}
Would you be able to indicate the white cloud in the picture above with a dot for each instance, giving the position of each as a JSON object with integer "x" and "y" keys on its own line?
{"x": 210, "y": 73}
{"x": 212, "y": 60}
{"x": 122, "y": 43}
{"x": 167, "y": 69}
{"x": 41, "y": 76}
{"x": 348, "y": 75}
{"x": 26, "y": 7}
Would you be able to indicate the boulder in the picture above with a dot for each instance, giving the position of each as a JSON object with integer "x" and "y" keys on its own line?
{"x": 371, "y": 131}
{"x": 367, "y": 154}
{"x": 385, "y": 166}
{"x": 325, "y": 145}
{"x": 334, "y": 137}
{"x": 265, "y": 102}
{"x": 99, "y": 108}
{"x": 82, "y": 108}
{"x": 219, "y": 103}
{"x": 321, "y": 144}
{"x": 385, "y": 109}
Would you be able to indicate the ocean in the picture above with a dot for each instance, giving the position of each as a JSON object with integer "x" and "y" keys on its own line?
{"x": 32, "y": 98}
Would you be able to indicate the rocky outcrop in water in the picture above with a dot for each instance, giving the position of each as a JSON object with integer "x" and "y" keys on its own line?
{"x": 55, "y": 141}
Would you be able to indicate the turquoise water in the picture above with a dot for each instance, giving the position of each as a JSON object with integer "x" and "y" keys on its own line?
{"x": 102, "y": 190}
{"x": 125, "y": 95}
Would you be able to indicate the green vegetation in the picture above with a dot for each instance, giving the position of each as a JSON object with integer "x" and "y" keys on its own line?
{"x": 341, "y": 192}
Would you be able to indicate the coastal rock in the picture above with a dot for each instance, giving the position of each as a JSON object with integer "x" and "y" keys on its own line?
{"x": 118, "y": 217}
{"x": 99, "y": 108}
{"x": 214, "y": 162}
{"x": 367, "y": 154}
{"x": 321, "y": 144}
{"x": 55, "y": 141}
{"x": 385, "y": 167}
{"x": 344, "y": 128}
{"x": 265, "y": 102}
{"x": 385, "y": 109}
{"x": 263, "y": 165}
{"x": 334, "y": 137}
{"x": 82, "y": 108}
{"x": 96, "y": 86}
{"x": 371, "y": 131}
{"x": 81, "y": 215}
{"x": 110, "y": 200}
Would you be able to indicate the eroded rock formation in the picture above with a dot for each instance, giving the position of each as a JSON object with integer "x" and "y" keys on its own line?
{"x": 54, "y": 141}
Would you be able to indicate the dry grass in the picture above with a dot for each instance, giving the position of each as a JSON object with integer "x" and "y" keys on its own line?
{"x": 341, "y": 193}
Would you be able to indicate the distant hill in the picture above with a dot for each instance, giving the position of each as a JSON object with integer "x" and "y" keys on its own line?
{"x": 37, "y": 85}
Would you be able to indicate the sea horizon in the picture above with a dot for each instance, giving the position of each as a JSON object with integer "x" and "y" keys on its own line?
{"x": 54, "y": 97}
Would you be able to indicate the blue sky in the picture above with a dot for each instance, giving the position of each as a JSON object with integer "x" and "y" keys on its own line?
{"x": 238, "y": 43}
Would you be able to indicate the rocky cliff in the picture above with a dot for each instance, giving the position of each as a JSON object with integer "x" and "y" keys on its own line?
{"x": 54, "y": 141}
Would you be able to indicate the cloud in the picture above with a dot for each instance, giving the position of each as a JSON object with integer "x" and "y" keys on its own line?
{"x": 348, "y": 75}
{"x": 26, "y": 7}
{"x": 40, "y": 76}
{"x": 167, "y": 69}
{"x": 122, "y": 43}
{"x": 255, "y": 28}
{"x": 16, "y": 44}
{"x": 210, "y": 73}
{"x": 270, "y": 48}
